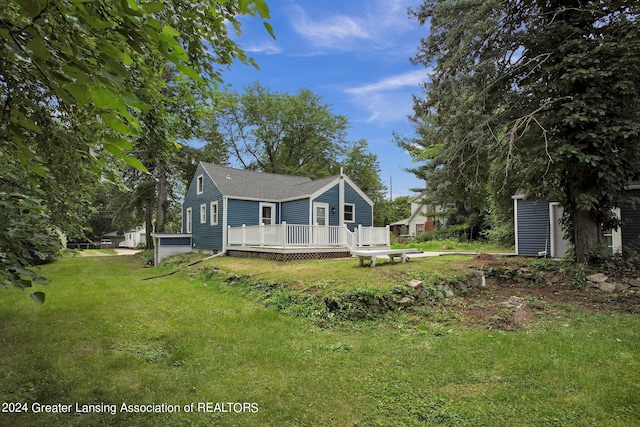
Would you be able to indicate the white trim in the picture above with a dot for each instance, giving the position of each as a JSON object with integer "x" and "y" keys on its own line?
{"x": 225, "y": 228}
{"x": 616, "y": 235}
{"x": 553, "y": 223}
{"x": 203, "y": 213}
{"x": 353, "y": 212}
{"x": 214, "y": 218}
{"x": 341, "y": 201}
{"x": 200, "y": 184}
{"x": 189, "y": 221}
{"x": 273, "y": 212}
{"x": 515, "y": 219}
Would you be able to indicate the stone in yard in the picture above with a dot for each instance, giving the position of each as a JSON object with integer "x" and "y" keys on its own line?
{"x": 633, "y": 282}
{"x": 415, "y": 284}
{"x": 406, "y": 302}
{"x": 359, "y": 314}
{"x": 597, "y": 278}
{"x": 621, "y": 286}
{"x": 606, "y": 287}
{"x": 514, "y": 303}
{"x": 448, "y": 293}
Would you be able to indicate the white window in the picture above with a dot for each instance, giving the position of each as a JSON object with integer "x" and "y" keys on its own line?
{"x": 188, "y": 221}
{"x": 349, "y": 212}
{"x": 267, "y": 213}
{"x": 203, "y": 213}
{"x": 199, "y": 184}
{"x": 214, "y": 213}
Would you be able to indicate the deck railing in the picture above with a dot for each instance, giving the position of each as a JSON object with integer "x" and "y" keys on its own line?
{"x": 298, "y": 235}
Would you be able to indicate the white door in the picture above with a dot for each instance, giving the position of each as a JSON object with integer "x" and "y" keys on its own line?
{"x": 321, "y": 223}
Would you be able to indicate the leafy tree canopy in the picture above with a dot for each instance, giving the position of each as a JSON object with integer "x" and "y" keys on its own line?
{"x": 78, "y": 80}
{"x": 545, "y": 95}
{"x": 282, "y": 133}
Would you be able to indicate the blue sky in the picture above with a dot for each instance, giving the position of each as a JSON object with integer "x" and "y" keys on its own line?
{"x": 355, "y": 55}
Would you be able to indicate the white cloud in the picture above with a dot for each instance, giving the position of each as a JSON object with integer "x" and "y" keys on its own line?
{"x": 388, "y": 100}
{"x": 336, "y": 32}
{"x": 367, "y": 25}
{"x": 266, "y": 48}
{"x": 411, "y": 78}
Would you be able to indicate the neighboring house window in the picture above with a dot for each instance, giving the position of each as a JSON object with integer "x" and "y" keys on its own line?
{"x": 203, "y": 214}
{"x": 214, "y": 213}
{"x": 419, "y": 228}
{"x": 188, "y": 221}
{"x": 267, "y": 213}
{"x": 199, "y": 184}
{"x": 349, "y": 212}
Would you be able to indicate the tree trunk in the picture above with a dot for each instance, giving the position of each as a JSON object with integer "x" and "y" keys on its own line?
{"x": 162, "y": 198}
{"x": 148, "y": 222}
{"x": 587, "y": 234}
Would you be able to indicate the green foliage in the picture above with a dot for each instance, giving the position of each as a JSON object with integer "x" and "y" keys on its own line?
{"x": 543, "y": 97}
{"x": 202, "y": 342}
{"x": 281, "y": 133}
{"x": 85, "y": 85}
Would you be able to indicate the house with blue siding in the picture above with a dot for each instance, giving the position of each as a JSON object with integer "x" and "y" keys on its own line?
{"x": 223, "y": 202}
{"x": 538, "y": 231}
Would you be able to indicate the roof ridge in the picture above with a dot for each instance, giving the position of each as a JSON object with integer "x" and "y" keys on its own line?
{"x": 256, "y": 172}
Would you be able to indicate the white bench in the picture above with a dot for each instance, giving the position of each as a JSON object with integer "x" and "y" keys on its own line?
{"x": 370, "y": 255}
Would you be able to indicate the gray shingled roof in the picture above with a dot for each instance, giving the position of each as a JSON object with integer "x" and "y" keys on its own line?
{"x": 260, "y": 185}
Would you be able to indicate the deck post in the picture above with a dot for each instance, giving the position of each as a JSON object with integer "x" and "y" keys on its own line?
{"x": 244, "y": 235}
{"x": 388, "y": 236}
{"x": 285, "y": 235}
{"x": 261, "y": 232}
{"x": 359, "y": 234}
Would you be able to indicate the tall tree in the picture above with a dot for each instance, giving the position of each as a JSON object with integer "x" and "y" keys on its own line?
{"x": 79, "y": 68}
{"x": 549, "y": 90}
{"x": 281, "y": 133}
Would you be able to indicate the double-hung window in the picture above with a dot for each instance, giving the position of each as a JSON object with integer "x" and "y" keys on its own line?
{"x": 199, "y": 184}
{"x": 214, "y": 213}
{"x": 349, "y": 212}
{"x": 203, "y": 213}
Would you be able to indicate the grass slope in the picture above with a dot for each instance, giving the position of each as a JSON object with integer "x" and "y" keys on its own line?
{"x": 106, "y": 337}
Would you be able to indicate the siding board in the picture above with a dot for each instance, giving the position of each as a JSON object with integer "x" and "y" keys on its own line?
{"x": 364, "y": 215}
{"x": 631, "y": 222}
{"x": 205, "y": 236}
{"x": 533, "y": 228}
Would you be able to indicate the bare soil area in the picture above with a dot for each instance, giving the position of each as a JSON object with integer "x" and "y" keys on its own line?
{"x": 508, "y": 305}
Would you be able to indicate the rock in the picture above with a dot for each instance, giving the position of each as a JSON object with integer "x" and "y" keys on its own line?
{"x": 621, "y": 286}
{"x": 415, "y": 284}
{"x": 591, "y": 284}
{"x": 406, "y": 302}
{"x": 514, "y": 303}
{"x": 597, "y": 278}
{"x": 359, "y": 314}
{"x": 606, "y": 287}
{"x": 448, "y": 293}
{"x": 633, "y": 282}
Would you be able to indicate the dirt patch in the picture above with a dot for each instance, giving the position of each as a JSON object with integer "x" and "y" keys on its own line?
{"x": 488, "y": 306}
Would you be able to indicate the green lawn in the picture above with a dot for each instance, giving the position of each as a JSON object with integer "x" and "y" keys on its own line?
{"x": 105, "y": 337}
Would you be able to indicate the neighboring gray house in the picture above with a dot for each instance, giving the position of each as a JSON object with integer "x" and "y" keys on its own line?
{"x": 538, "y": 231}
{"x": 224, "y": 204}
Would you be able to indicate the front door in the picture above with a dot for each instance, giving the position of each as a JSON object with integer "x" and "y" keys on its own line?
{"x": 321, "y": 223}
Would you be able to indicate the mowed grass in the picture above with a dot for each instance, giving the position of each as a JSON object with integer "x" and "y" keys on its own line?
{"x": 104, "y": 336}
{"x": 341, "y": 274}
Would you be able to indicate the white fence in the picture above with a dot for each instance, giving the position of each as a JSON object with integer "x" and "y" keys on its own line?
{"x": 296, "y": 235}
